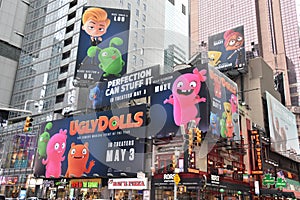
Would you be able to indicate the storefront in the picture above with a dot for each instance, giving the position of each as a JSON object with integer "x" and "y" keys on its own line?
{"x": 189, "y": 187}
{"x": 87, "y": 188}
{"x": 128, "y": 188}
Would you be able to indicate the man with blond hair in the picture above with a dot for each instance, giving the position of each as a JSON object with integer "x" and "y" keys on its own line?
{"x": 95, "y": 24}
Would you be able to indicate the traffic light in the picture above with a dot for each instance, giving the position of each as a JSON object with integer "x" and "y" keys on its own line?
{"x": 28, "y": 124}
{"x": 198, "y": 134}
{"x": 174, "y": 161}
{"x": 191, "y": 141}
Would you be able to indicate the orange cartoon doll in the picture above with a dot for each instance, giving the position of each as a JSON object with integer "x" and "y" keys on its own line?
{"x": 77, "y": 160}
{"x": 234, "y": 41}
{"x": 95, "y": 24}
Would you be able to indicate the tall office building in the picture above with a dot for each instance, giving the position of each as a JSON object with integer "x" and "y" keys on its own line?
{"x": 47, "y": 63}
{"x": 12, "y": 15}
{"x": 270, "y": 29}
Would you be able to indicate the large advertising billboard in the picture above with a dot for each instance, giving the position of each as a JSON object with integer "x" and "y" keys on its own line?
{"x": 200, "y": 94}
{"x": 283, "y": 128}
{"x": 110, "y": 142}
{"x": 129, "y": 86}
{"x": 103, "y": 45}
{"x": 226, "y": 50}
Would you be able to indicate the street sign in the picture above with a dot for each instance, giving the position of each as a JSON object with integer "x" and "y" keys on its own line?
{"x": 176, "y": 179}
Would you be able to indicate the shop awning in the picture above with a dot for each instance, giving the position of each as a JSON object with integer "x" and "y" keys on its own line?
{"x": 296, "y": 193}
{"x": 274, "y": 192}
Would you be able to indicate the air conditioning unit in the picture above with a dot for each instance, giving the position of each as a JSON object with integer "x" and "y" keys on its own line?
{"x": 295, "y": 109}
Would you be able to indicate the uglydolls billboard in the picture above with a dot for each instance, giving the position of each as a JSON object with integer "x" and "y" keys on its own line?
{"x": 226, "y": 50}
{"x": 103, "y": 45}
{"x": 283, "y": 127}
{"x": 200, "y": 94}
{"x": 99, "y": 143}
{"x": 129, "y": 86}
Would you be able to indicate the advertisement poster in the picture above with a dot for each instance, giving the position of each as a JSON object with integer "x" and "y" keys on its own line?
{"x": 283, "y": 128}
{"x": 226, "y": 50}
{"x": 110, "y": 142}
{"x": 129, "y": 86}
{"x": 203, "y": 95}
{"x": 103, "y": 45}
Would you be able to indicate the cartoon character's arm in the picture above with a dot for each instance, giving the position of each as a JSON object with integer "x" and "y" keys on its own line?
{"x": 44, "y": 162}
{"x": 170, "y": 100}
{"x": 91, "y": 52}
{"x": 92, "y": 164}
{"x": 199, "y": 100}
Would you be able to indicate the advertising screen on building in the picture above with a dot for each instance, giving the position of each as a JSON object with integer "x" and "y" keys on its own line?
{"x": 129, "y": 86}
{"x": 103, "y": 45}
{"x": 226, "y": 50}
{"x": 110, "y": 142}
{"x": 283, "y": 128}
{"x": 201, "y": 94}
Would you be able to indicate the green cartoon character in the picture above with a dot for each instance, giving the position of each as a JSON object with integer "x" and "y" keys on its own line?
{"x": 43, "y": 141}
{"x": 110, "y": 58}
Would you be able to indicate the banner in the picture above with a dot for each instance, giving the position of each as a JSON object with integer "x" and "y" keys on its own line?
{"x": 226, "y": 50}
{"x": 103, "y": 45}
{"x": 201, "y": 94}
{"x": 109, "y": 142}
{"x": 283, "y": 128}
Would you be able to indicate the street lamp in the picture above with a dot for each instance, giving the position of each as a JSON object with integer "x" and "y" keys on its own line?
{"x": 222, "y": 191}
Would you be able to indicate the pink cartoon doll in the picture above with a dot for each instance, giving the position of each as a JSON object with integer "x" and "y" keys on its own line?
{"x": 55, "y": 154}
{"x": 185, "y": 98}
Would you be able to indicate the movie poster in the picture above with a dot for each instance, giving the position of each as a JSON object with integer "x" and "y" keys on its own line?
{"x": 226, "y": 50}
{"x": 103, "y": 45}
{"x": 201, "y": 94}
{"x": 100, "y": 143}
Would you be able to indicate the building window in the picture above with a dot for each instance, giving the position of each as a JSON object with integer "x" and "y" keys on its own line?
{"x": 137, "y": 12}
{"x": 138, "y": 2}
{"x": 129, "y": 6}
{"x": 62, "y": 83}
{"x": 142, "y": 51}
{"x": 183, "y": 9}
{"x": 142, "y": 39}
{"x": 64, "y": 69}
{"x": 172, "y": 1}
{"x": 60, "y": 98}
{"x": 144, "y": 18}
{"x": 136, "y": 23}
{"x": 135, "y": 34}
{"x": 134, "y": 47}
{"x": 134, "y": 59}
{"x": 121, "y": 2}
{"x": 144, "y": 28}
{"x": 142, "y": 63}
{"x": 145, "y": 7}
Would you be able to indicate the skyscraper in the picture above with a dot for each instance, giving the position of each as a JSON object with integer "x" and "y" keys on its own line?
{"x": 271, "y": 30}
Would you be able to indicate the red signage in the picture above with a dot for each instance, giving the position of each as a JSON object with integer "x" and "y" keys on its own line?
{"x": 257, "y": 164}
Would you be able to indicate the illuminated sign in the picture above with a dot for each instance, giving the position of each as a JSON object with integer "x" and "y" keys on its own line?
{"x": 128, "y": 183}
{"x": 257, "y": 166}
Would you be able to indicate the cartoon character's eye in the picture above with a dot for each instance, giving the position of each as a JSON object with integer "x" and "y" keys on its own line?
{"x": 56, "y": 146}
{"x": 104, "y": 54}
{"x": 90, "y": 27}
{"x": 41, "y": 139}
{"x": 73, "y": 151}
{"x": 101, "y": 29}
{"x": 193, "y": 84}
{"x": 239, "y": 38}
{"x": 84, "y": 151}
{"x": 63, "y": 145}
{"x": 179, "y": 84}
{"x": 231, "y": 42}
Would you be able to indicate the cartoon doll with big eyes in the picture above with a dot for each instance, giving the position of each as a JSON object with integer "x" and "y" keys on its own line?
{"x": 95, "y": 24}
{"x": 234, "y": 41}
